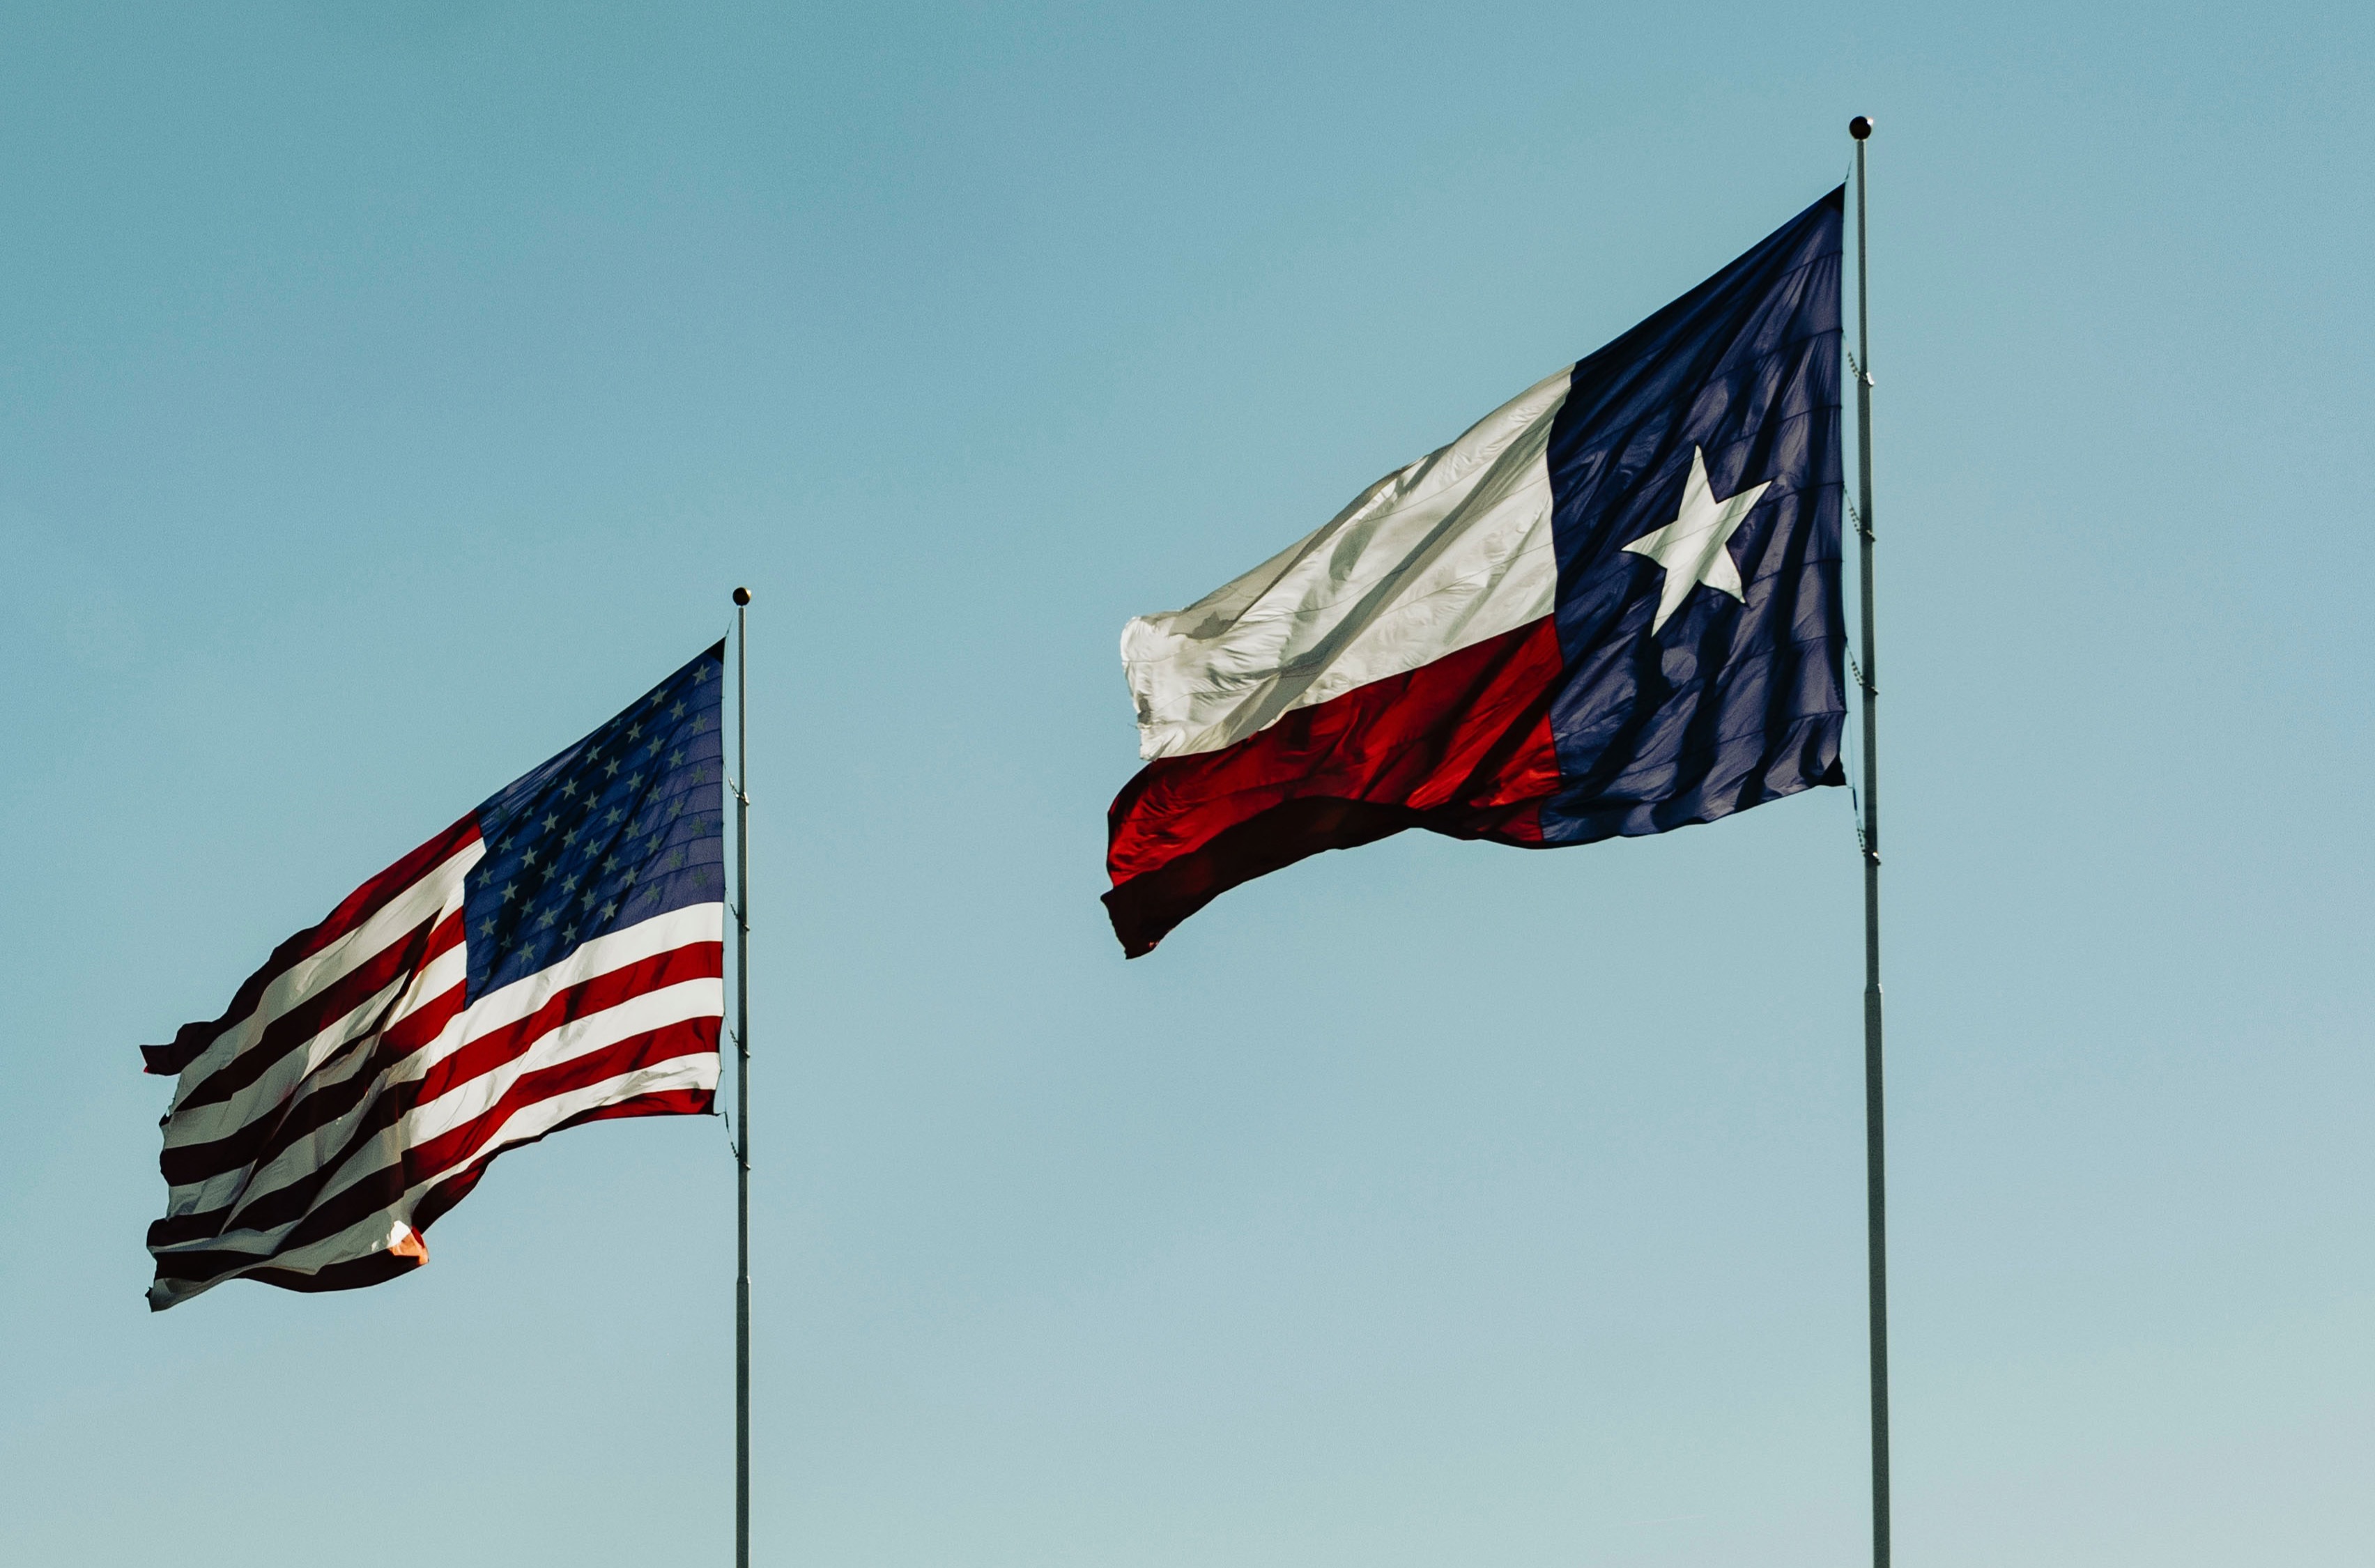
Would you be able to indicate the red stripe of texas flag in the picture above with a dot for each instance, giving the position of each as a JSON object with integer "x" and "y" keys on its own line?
{"x": 1461, "y": 746}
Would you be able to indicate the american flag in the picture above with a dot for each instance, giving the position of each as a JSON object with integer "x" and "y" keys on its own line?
{"x": 555, "y": 957}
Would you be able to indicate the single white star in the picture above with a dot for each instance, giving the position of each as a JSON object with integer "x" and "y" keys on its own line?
{"x": 1692, "y": 548}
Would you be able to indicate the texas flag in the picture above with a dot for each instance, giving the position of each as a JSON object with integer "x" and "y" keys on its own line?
{"x": 1610, "y": 608}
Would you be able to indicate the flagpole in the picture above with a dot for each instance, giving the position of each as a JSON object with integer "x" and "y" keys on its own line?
{"x": 1874, "y": 1142}
{"x": 742, "y": 1078}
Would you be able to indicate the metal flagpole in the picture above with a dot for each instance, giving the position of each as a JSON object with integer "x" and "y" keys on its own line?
{"x": 742, "y": 1078}
{"x": 1874, "y": 1143}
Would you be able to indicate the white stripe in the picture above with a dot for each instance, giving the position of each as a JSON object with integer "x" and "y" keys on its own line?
{"x": 465, "y": 1101}
{"x": 640, "y": 1014}
{"x": 474, "y": 1096}
{"x": 645, "y": 939}
{"x": 309, "y": 975}
{"x": 698, "y": 1070}
{"x": 271, "y": 1099}
{"x": 1444, "y": 554}
{"x": 314, "y": 1150}
{"x": 694, "y": 1070}
{"x": 498, "y": 1010}
{"x": 377, "y": 1231}
{"x": 300, "y": 1070}
{"x": 382, "y": 1229}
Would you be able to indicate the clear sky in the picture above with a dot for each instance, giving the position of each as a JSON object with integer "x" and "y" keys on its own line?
{"x": 394, "y": 391}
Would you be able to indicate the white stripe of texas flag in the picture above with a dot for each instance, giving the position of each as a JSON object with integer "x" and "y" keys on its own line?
{"x": 1453, "y": 550}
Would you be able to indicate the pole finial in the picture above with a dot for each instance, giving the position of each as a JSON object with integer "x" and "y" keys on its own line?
{"x": 741, "y": 596}
{"x": 1861, "y": 127}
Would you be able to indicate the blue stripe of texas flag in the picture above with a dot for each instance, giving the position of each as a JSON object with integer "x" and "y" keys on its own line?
{"x": 1731, "y": 702}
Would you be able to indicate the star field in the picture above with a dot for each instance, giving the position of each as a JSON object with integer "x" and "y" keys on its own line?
{"x": 624, "y": 825}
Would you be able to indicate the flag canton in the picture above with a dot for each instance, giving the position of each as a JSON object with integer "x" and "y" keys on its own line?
{"x": 624, "y": 825}
{"x": 1739, "y": 698}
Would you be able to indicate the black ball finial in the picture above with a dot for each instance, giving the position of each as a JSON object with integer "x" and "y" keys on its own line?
{"x": 1859, "y": 128}
{"x": 741, "y": 596}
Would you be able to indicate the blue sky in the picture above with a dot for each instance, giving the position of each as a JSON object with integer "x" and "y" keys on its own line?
{"x": 396, "y": 390}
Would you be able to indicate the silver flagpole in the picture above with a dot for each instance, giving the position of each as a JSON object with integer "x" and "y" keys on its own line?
{"x": 1874, "y": 1142}
{"x": 742, "y": 1078}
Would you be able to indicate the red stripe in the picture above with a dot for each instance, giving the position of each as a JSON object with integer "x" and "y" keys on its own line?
{"x": 380, "y": 1266}
{"x": 350, "y": 1207}
{"x": 694, "y": 960}
{"x": 467, "y": 1146}
{"x": 422, "y": 1025}
{"x": 184, "y": 1164}
{"x": 353, "y": 1274}
{"x": 451, "y": 1148}
{"x": 358, "y": 906}
{"x": 662, "y": 1103}
{"x": 1461, "y": 746}
{"x": 317, "y": 1108}
{"x": 312, "y": 1111}
{"x": 665, "y": 1102}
